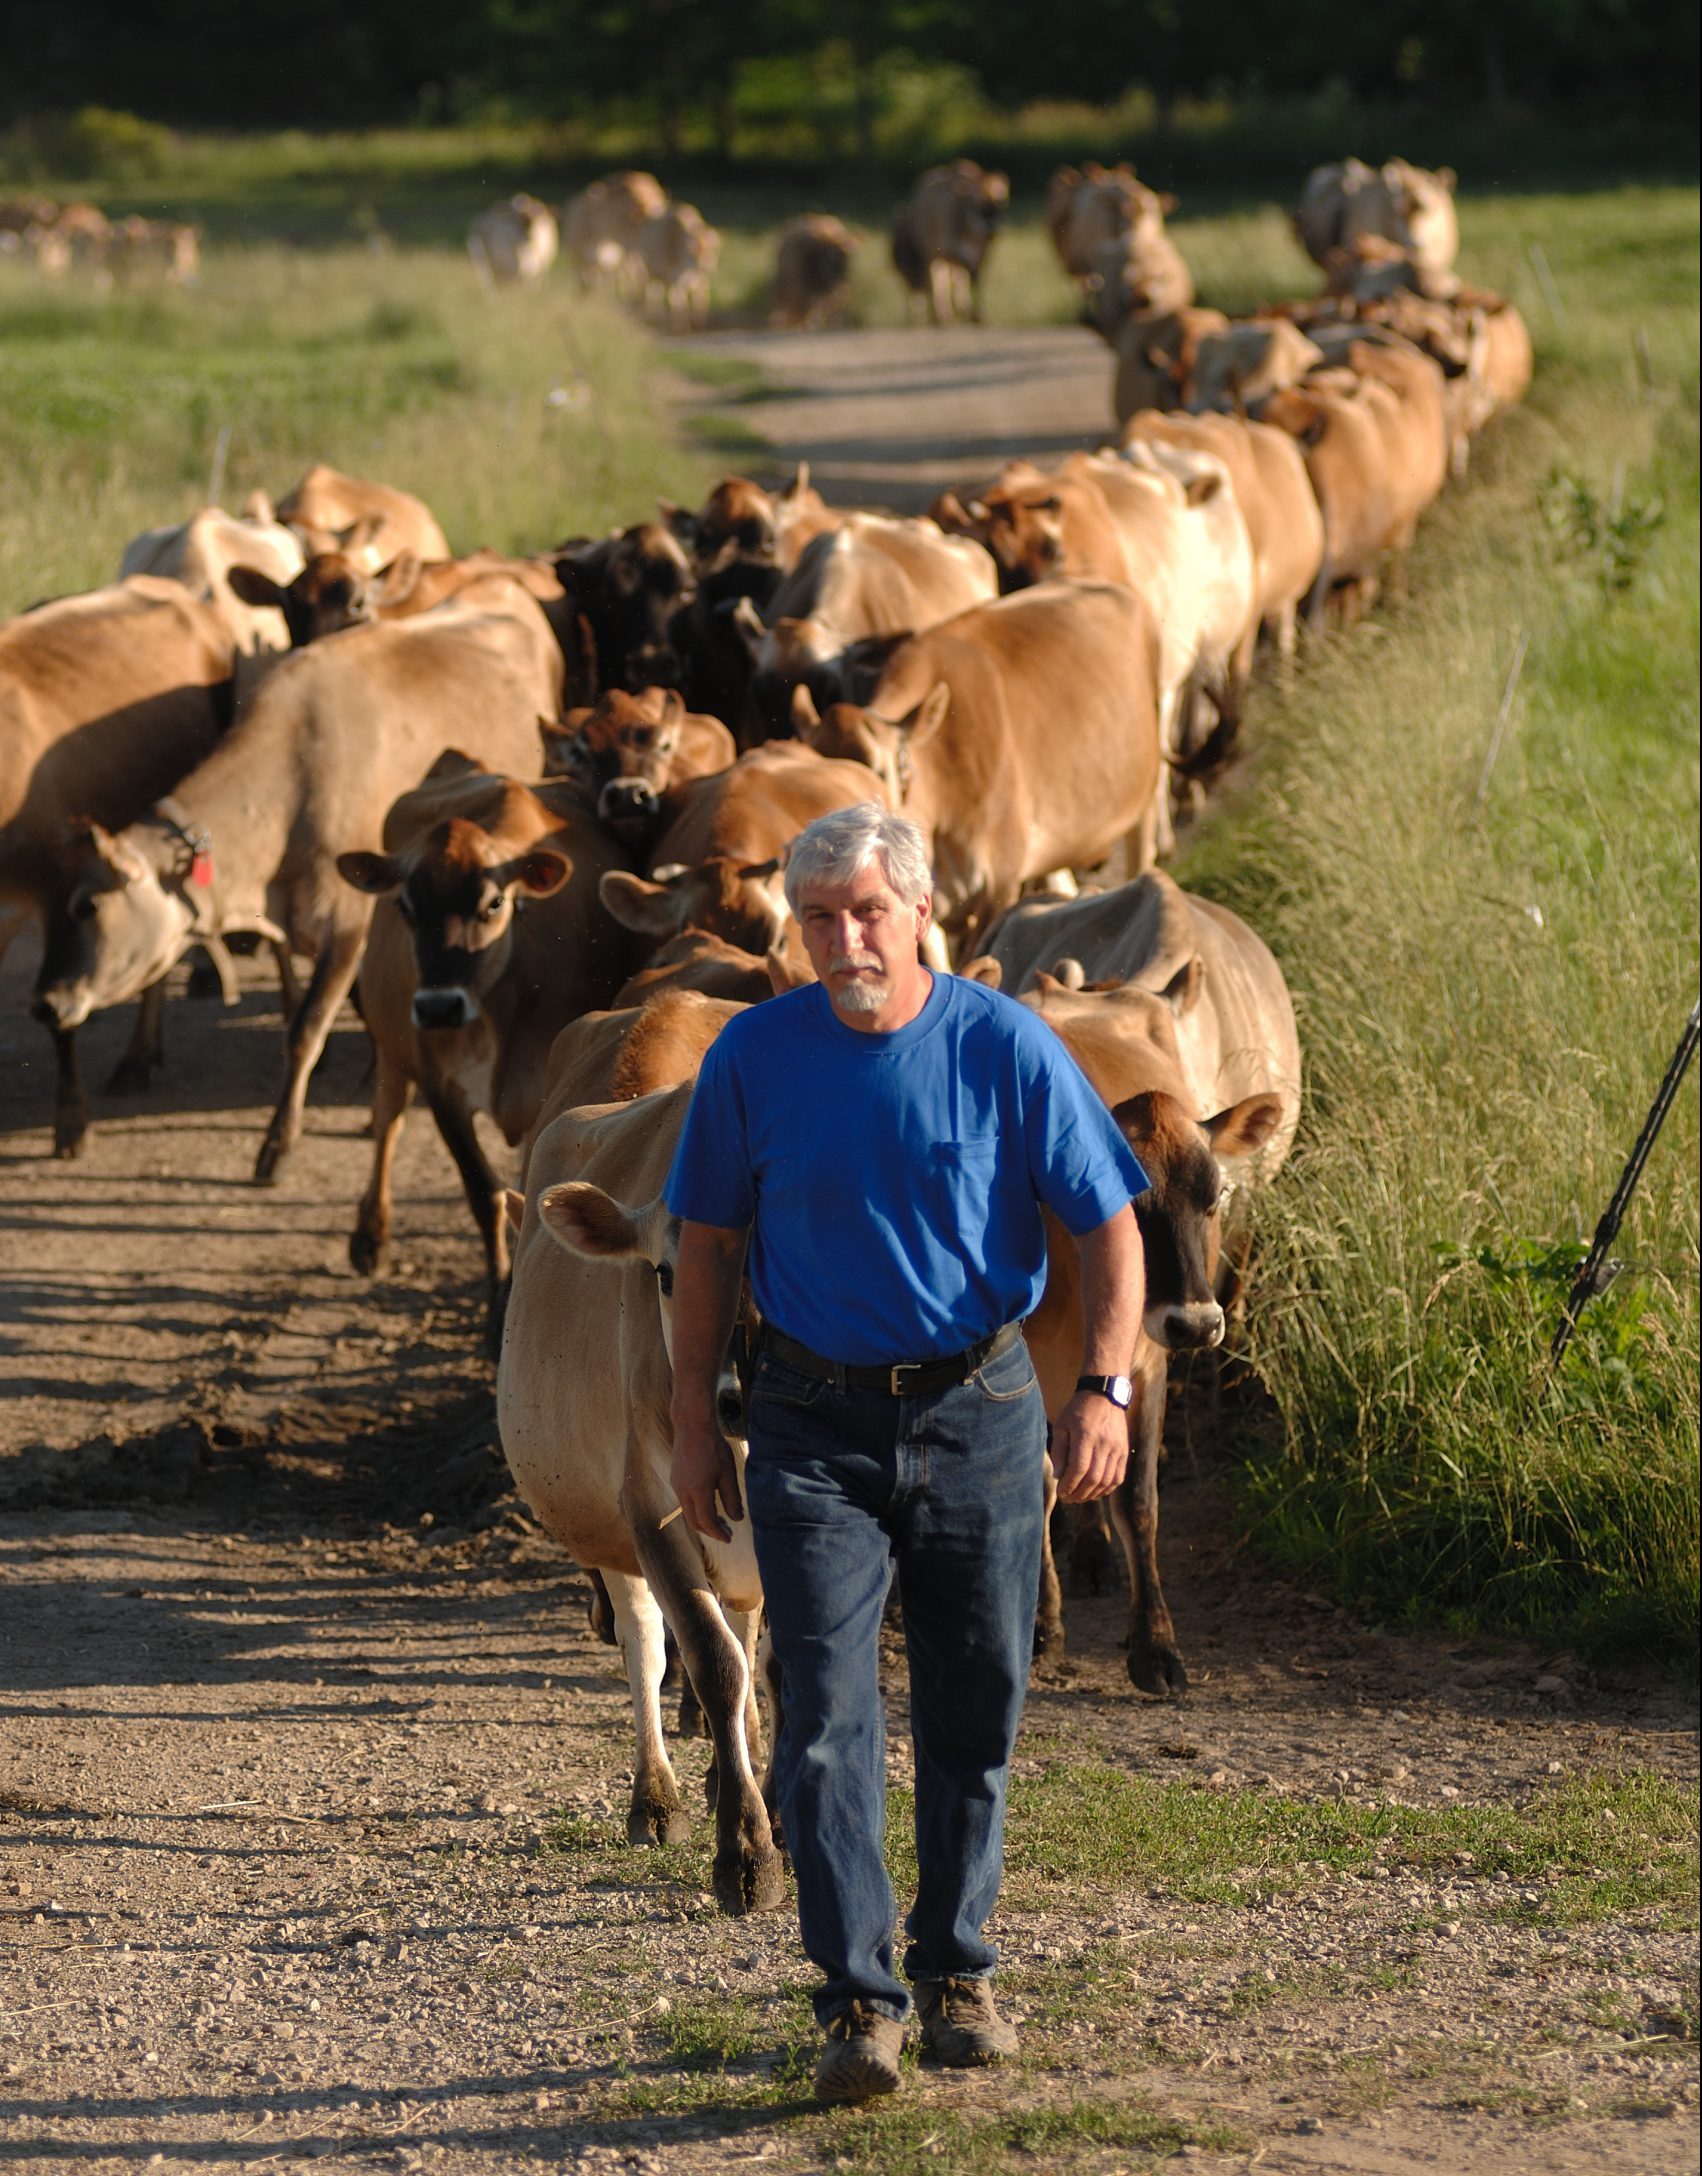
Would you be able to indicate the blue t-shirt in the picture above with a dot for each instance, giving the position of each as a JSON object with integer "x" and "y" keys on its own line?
{"x": 893, "y": 1183}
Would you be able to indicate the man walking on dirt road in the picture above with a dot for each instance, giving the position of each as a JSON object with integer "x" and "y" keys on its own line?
{"x": 885, "y": 1140}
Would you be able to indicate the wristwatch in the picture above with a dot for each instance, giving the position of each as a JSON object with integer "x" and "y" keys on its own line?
{"x": 1117, "y": 1388}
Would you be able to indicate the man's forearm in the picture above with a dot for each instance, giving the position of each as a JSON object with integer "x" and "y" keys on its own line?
{"x": 1113, "y": 1294}
{"x": 707, "y": 1272}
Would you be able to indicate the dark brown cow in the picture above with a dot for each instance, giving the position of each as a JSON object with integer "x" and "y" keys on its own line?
{"x": 941, "y": 237}
{"x": 629, "y": 586}
{"x": 812, "y": 269}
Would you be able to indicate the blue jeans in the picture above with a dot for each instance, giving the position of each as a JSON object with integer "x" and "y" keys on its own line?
{"x": 844, "y": 1488}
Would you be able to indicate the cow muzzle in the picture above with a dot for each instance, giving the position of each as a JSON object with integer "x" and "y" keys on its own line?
{"x": 446, "y": 1008}
{"x": 1193, "y": 1327}
{"x": 656, "y": 665}
{"x": 62, "y": 1006}
{"x": 628, "y": 803}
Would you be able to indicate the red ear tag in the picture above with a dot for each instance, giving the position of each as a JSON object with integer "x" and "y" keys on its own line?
{"x": 201, "y": 871}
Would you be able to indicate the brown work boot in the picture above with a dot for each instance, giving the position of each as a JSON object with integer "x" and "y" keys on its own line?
{"x": 860, "y": 2059}
{"x": 961, "y": 2024}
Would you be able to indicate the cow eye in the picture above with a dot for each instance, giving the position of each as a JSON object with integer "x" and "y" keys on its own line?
{"x": 665, "y": 1279}
{"x": 83, "y": 907}
{"x": 491, "y": 909}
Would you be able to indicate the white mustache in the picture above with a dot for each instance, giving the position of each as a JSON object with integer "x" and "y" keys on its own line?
{"x": 844, "y": 963}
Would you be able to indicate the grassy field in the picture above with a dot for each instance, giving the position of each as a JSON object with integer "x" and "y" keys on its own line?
{"x": 1489, "y": 988}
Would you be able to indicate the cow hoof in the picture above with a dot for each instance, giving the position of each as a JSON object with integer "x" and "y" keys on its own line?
{"x": 1048, "y": 1637}
{"x": 749, "y": 1881}
{"x": 1158, "y": 1670}
{"x": 652, "y": 1821}
{"x": 67, "y": 1149}
{"x": 271, "y": 1163}
{"x": 366, "y": 1250}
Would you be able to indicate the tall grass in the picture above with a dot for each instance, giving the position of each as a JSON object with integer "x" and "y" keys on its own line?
{"x": 1488, "y": 995}
{"x": 519, "y": 417}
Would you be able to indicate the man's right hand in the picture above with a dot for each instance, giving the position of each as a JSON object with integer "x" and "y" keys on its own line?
{"x": 705, "y": 1478}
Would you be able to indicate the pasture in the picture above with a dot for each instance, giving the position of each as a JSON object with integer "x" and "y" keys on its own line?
{"x": 311, "y": 1804}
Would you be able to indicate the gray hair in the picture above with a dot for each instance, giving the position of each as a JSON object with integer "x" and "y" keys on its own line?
{"x": 836, "y": 846}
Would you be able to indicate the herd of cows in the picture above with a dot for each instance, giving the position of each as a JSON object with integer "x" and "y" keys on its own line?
{"x": 57, "y": 239}
{"x": 540, "y": 808}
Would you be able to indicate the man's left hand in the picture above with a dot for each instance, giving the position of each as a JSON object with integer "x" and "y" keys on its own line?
{"x": 1090, "y": 1448}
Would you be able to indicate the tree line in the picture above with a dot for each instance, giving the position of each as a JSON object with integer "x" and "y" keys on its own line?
{"x": 826, "y": 76}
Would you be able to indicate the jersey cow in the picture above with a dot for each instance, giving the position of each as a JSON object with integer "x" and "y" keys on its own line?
{"x": 106, "y": 700}
{"x": 211, "y": 554}
{"x": 940, "y": 239}
{"x": 251, "y": 841}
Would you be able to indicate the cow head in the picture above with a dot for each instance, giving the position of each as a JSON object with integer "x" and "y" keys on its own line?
{"x": 737, "y": 521}
{"x": 124, "y": 913}
{"x": 629, "y": 587}
{"x": 623, "y": 751}
{"x": 888, "y": 746}
{"x": 332, "y": 591}
{"x": 1117, "y": 1031}
{"x": 1023, "y": 527}
{"x": 457, "y": 890}
{"x": 741, "y": 902}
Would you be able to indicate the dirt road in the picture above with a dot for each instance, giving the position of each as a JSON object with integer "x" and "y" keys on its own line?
{"x": 311, "y": 1773}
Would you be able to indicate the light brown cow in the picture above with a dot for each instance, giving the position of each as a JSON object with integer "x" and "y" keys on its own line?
{"x": 1237, "y": 369}
{"x": 335, "y": 513}
{"x": 871, "y": 575}
{"x": 812, "y": 270}
{"x": 1097, "y": 205}
{"x": 741, "y": 521}
{"x": 942, "y": 236}
{"x": 695, "y": 960}
{"x": 331, "y": 591}
{"x": 600, "y": 229}
{"x": 336, "y": 733}
{"x": 514, "y": 243}
{"x": 627, "y": 750}
{"x": 679, "y": 250}
{"x": 1021, "y": 737}
{"x": 203, "y": 552}
{"x": 462, "y": 992}
{"x": 139, "y": 249}
{"x": 1397, "y": 202}
{"x": 1139, "y": 275}
{"x": 1156, "y": 357}
{"x": 106, "y": 700}
{"x": 1275, "y": 496}
{"x": 1188, "y": 1033}
{"x": 583, "y": 1398}
{"x": 717, "y": 862}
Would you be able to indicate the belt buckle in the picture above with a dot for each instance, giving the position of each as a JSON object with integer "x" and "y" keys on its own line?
{"x": 904, "y": 1367}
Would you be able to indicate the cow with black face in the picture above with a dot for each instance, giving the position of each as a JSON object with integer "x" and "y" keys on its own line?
{"x": 629, "y": 585}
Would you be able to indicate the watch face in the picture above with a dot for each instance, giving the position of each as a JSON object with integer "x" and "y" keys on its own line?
{"x": 1120, "y": 1390}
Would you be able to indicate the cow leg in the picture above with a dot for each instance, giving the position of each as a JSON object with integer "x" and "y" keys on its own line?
{"x": 130, "y": 1074}
{"x": 1049, "y": 1610}
{"x": 485, "y": 1197}
{"x": 1154, "y": 1663}
{"x": 369, "y": 1242}
{"x": 70, "y": 1105}
{"x": 289, "y": 987}
{"x": 1318, "y": 600}
{"x": 1091, "y": 1555}
{"x": 655, "y": 1815}
{"x": 1285, "y": 621}
{"x": 745, "y": 1624}
{"x": 747, "y": 1874}
{"x": 774, "y": 1689}
{"x": 939, "y": 291}
{"x": 333, "y": 976}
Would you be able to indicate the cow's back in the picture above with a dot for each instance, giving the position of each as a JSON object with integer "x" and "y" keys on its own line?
{"x": 106, "y": 700}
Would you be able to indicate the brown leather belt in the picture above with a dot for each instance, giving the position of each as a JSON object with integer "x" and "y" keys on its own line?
{"x": 908, "y": 1379}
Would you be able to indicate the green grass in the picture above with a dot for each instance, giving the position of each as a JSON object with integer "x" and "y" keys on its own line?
{"x": 519, "y": 418}
{"x": 1488, "y": 996}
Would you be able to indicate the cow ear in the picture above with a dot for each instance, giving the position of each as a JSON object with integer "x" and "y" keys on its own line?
{"x": 377, "y": 874}
{"x": 1448, "y": 178}
{"x": 585, "y": 1220}
{"x": 1182, "y": 992}
{"x": 747, "y": 621}
{"x": 539, "y": 874}
{"x": 805, "y": 716}
{"x": 1201, "y": 490}
{"x": 399, "y": 579}
{"x": 124, "y": 866}
{"x": 1133, "y": 1116}
{"x": 949, "y": 513}
{"x": 673, "y": 707}
{"x": 986, "y": 971}
{"x": 783, "y": 973}
{"x": 930, "y": 715}
{"x": 678, "y": 522}
{"x": 258, "y": 508}
{"x": 1168, "y": 203}
{"x": 361, "y": 535}
{"x": 758, "y": 872}
{"x": 650, "y": 910}
{"x": 1245, "y": 1127}
{"x": 454, "y": 763}
{"x": 1042, "y": 984}
{"x": 514, "y": 1206}
{"x": 800, "y": 482}
{"x": 253, "y": 587}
